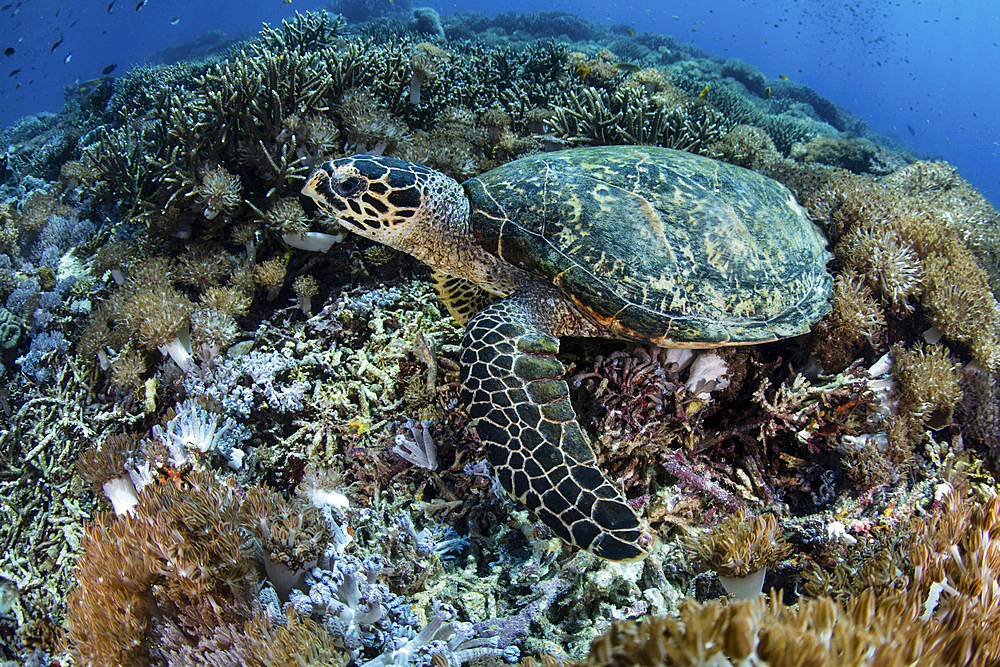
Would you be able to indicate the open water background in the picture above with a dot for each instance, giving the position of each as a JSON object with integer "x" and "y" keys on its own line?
{"x": 925, "y": 71}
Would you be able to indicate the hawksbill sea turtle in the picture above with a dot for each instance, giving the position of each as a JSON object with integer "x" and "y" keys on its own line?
{"x": 634, "y": 242}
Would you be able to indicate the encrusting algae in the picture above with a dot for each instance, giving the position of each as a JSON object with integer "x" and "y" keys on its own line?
{"x": 216, "y": 446}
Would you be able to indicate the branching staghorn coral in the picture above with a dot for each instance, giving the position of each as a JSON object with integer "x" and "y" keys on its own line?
{"x": 304, "y": 32}
{"x": 122, "y": 171}
{"x": 630, "y": 115}
{"x": 41, "y": 525}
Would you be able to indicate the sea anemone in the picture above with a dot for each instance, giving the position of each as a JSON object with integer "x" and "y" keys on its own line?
{"x": 292, "y": 535}
{"x": 218, "y": 192}
{"x": 103, "y": 466}
{"x": 929, "y": 383}
{"x": 225, "y": 299}
{"x": 127, "y": 367}
{"x": 201, "y": 266}
{"x": 370, "y": 128}
{"x": 212, "y": 330}
{"x": 424, "y": 65}
{"x": 270, "y": 275}
{"x": 740, "y": 551}
{"x": 305, "y": 289}
{"x": 287, "y": 217}
{"x": 157, "y": 317}
{"x": 180, "y": 544}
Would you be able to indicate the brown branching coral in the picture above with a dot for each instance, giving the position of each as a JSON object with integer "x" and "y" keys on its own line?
{"x": 629, "y": 116}
{"x": 122, "y": 170}
{"x": 310, "y": 31}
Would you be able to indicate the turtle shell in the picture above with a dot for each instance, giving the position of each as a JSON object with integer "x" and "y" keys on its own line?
{"x": 659, "y": 244}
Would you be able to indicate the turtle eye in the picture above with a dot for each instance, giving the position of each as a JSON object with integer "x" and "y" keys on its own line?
{"x": 349, "y": 187}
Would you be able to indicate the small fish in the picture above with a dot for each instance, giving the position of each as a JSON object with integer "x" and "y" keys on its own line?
{"x": 89, "y": 85}
{"x": 56, "y": 45}
{"x": 109, "y": 69}
{"x": 4, "y": 163}
{"x": 767, "y": 93}
{"x": 783, "y": 77}
{"x": 909, "y": 128}
{"x": 627, "y": 67}
{"x": 9, "y": 51}
{"x": 175, "y": 20}
{"x": 629, "y": 32}
{"x": 6, "y": 7}
{"x": 139, "y": 5}
{"x": 67, "y": 58}
{"x": 582, "y": 71}
{"x": 13, "y": 72}
{"x": 110, "y": 5}
{"x": 704, "y": 92}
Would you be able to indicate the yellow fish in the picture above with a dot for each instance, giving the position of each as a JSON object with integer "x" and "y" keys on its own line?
{"x": 767, "y": 92}
{"x": 582, "y": 71}
{"x": 783, "y": 77}
{"x": 704, "y": 92}
{"x": 629, "y": 32}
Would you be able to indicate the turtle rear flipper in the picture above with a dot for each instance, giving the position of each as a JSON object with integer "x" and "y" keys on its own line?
{"x": 519, "y": 402}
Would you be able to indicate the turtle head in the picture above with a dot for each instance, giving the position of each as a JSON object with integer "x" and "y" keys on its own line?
{"x": 390, "y": 201}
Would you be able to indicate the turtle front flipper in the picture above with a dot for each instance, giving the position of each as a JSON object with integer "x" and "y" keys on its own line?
{"x": 513, "y": 386}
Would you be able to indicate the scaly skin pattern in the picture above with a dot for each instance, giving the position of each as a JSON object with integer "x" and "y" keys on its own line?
{"x": 513, "y": 387}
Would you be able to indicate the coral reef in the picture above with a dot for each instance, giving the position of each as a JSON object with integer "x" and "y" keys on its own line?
{"x": 219, "y": 448}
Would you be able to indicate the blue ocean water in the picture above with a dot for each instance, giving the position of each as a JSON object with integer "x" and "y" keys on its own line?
{"x": 923, "y": 71}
